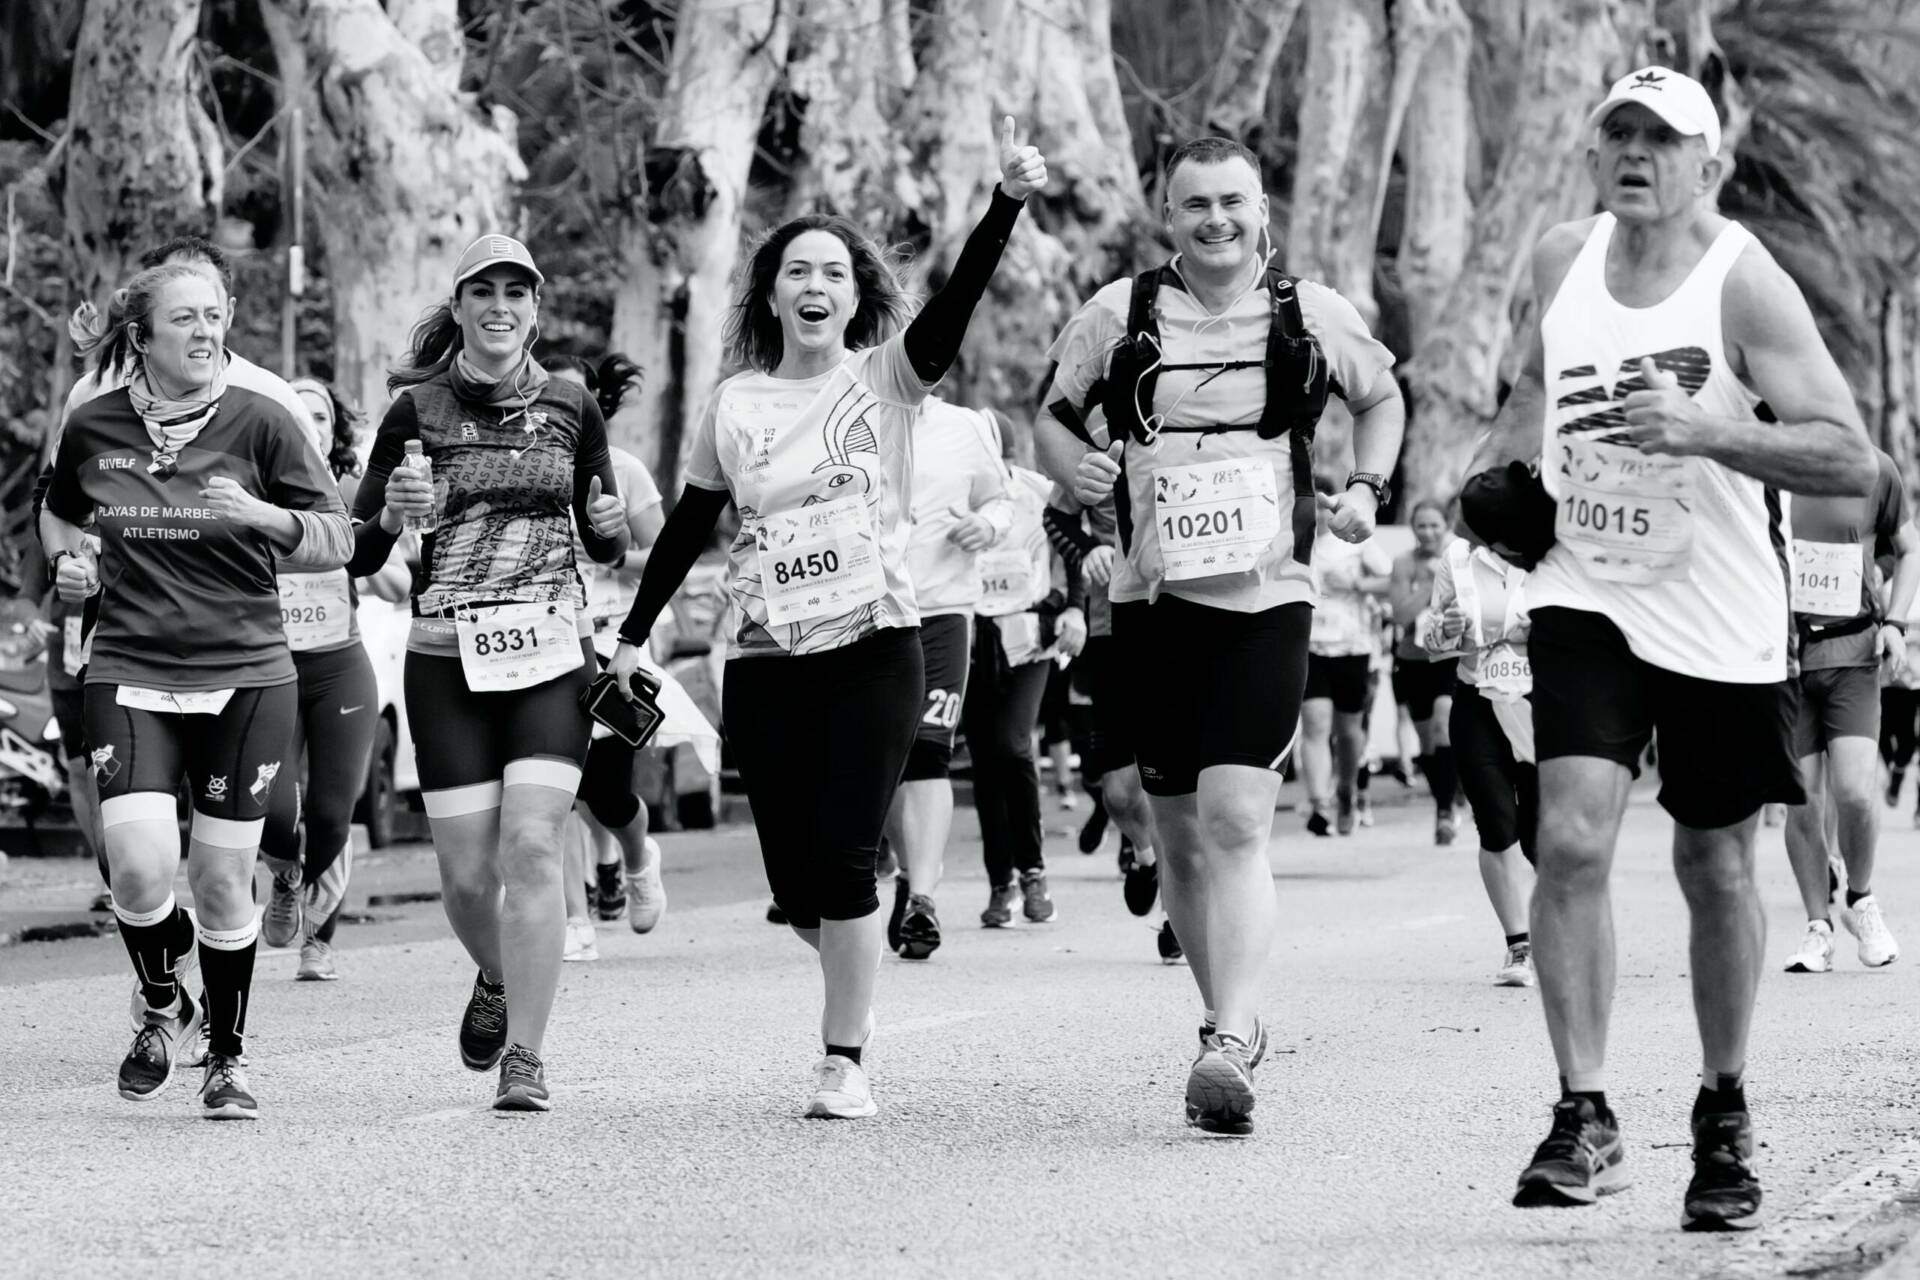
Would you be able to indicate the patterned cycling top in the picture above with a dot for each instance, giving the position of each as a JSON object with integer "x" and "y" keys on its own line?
{"x": 504, "y": 485}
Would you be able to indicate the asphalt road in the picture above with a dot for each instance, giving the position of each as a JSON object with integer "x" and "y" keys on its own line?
{"x": 1030, "y": 1085}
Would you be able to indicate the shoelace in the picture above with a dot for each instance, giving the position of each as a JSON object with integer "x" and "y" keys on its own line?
{"x": 1567, "y": 1139}
{"x": 221, "y": 1070}
{"x": 489, "y": 1009}
{"x": 520, "y": 1063}
{"x": 143, "y": 1042}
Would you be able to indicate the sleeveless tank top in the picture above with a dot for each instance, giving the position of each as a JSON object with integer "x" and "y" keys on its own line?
{"x": 1686, "y": 556}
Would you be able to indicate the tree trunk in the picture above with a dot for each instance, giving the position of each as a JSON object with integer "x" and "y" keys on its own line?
{"x": 1569, "y": 50}
{"x": 681, "y": 248}
{"x": 850, "y": 157}
{"x": 143, "y": 161}
{"x": 407, "y": 172}
{"x": 1343, "y": 125}
{"x": 1434, "y": 141}
{"x": 1236, "y": 101}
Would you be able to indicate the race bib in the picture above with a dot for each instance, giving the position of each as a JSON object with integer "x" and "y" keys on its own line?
{"x": 1019, "y": 637}
{"x": 1006, "y": 580}
{"x": 75, "y": 645}
{"x": 819, "y": 562}
{"x": 1504, "y": 674}
{"x": 517, "y": 646}
{"x": 205, "y": 702}
{"x": 1827, "y": 578}
{"x": 1215, "y": 517}
{"x": 315, "y": 609}
{"x": 1625, "y": 515}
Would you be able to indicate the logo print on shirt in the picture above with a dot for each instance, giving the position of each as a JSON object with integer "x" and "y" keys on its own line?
{"x": 847, "y": 433}
{"x": 216, "y": 788}
{"x": 263, "y": 783}
{"x": 1691, "y": 365}
{"x": 469, "y": 432}
{"x": 105, "y": 767}
{"x": 118, "y": 464}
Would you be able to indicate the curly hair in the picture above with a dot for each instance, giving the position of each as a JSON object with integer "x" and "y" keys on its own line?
{"x": 340, "y": 453}
{"x": 109, "y": 339}
{"x": 753, "y": 335}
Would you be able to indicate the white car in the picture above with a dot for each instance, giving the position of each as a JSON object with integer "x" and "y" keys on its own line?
{"x": 391, "y": 796}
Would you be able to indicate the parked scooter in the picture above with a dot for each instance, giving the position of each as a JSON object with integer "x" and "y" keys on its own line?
{"x": 32, "y": 779}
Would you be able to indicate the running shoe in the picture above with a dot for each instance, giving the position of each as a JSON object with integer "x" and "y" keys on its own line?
{"x": 1723, "y": 1194}
{"x": 1895, "y": 779}
{"x": 1518, "y": 969}
{"x": 840, "y": 1090}
{"x": 186, "y": 973}
{"x": 900, "y": 895}
{"x": 999, "y": 912}
{"x": 1170, "y": 952}
{"x": 610, "y": 894}
{"x": 1220, "y": 1087}
{"x": 280, "y": 923}
{"x": 156, "y": 1049}
{"x": 1128, "y": 855}
{"x": 1094, "y": 829}
{"x": 1208, "y": 1031}
{"x": 1039, "y": 906}
{"x": 523, "y": 1082}
{"x": 647, "y": 896}
{"x": 1444, "y": 830}
{"x": 483, "y": 1029}
{"x": 1142, "y": 887}
{"x": 316, "y": 962}
{"x": 223, "y": 1090}
{"x": 1318, "y": 823}
{"x": 581, "y": 944}
{"x": 1363, "y": 809}
{"x": 919, "y": 929}
{"x": 1581, "y": 1160}
{"x": 102, "y": 901}
{"x": 776, "y": 914}
{"x": 1816, "y": 950}
{"x": 1343, "y": 812}
{"x": 1869, "y": 928}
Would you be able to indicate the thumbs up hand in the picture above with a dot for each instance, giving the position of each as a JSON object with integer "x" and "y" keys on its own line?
{"x": 1663, "y": 418}
{"x": 1098, "y": 472}
{"x": 1023, "y": 170}
{"x": 605, "y": 512}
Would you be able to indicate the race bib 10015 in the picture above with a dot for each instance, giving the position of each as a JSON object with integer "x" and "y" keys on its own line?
{"x": 1627, "y": 516}
{"x": 517, "y": 646}
{"x": 1827, "y": 577}
{"x": 819, "y": 562}
{"x": 1215, "y": 517}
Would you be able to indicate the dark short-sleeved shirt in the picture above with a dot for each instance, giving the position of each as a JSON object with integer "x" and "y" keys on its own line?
{"x": 1862, "y": 521}
{"x": 188, "y": 600}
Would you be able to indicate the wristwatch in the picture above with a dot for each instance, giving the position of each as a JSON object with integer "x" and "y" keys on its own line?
{"x": 1374, "y": 481}
{"x": 1899, "y": 624}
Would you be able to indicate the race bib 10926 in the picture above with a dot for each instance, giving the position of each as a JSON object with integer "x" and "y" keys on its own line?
{"x": 316, "y": 609}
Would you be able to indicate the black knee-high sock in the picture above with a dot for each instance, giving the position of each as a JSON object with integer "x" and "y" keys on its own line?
{"x": 226, "y": 962}
{"x": 148, "y": 936}
{"x": 1442, "y": 777}
{"x": 180, "y": 939}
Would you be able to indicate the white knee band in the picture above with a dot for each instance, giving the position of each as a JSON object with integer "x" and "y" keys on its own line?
{"x": 543, "y": 771}
{"x": 458, "y": 802}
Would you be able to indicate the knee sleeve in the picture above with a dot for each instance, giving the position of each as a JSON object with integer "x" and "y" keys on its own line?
{"x": 606, "y": 785}
{"x": 928, "y": 759}
{"x": 845, "y": 888}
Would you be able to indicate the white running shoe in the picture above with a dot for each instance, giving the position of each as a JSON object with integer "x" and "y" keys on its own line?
{"x": 1518, "y": 969}
{"x": 1816, "y": 949}
{"x": 840, "y": 1090}
{"x": 580, "y": 940}
{"x": 646, "y": 895}
{"x": 1869, "y": 928}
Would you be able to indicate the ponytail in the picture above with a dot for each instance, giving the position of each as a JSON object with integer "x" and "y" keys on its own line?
{"x": 109, "y": 340}
{"x": 431, "y": 349}
{"x": 613, "y": 378}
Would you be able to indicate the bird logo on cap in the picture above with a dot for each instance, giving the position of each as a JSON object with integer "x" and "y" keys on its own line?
{"x": 1648, "y": 80}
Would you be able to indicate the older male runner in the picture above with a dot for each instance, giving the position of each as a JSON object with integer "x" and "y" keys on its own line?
{"x": 1199, "y": 383}
{"x": 1662, "y": 605}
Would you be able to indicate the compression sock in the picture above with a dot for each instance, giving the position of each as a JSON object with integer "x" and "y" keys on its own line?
{"x": 148, "y": 936}
{"x": 226, "y": 961}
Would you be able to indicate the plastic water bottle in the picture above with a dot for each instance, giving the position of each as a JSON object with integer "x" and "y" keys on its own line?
{"x": 418, "y": 461}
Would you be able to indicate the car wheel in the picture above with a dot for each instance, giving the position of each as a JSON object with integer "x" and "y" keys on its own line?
{"x": 377, "y": 800}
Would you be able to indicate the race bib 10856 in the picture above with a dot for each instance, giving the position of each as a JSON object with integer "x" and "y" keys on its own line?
{"x": 1627, "y": 516}
{"x": 1215, "y": 517}
{"x": 819, "y": 562}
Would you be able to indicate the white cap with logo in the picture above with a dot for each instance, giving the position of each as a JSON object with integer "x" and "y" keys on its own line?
{"x": 489, "y": 251}
{"x": 1679, "y": 100}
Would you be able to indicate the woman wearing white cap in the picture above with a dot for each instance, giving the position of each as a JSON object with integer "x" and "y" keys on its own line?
{"x": 499, "y": 652}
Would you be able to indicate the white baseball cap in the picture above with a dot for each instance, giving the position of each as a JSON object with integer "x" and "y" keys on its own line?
{"x": 490, "y": 251}
{"x": 1678, "y": 99}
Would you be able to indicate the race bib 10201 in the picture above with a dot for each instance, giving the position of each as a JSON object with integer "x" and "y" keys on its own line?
{"x": 517, "y": 646}
{"x": 819, "y": 562}
{"x": 1827, "y": 577}
{"x": 1627, "y": 516}
{"x": 1215, "y": 517}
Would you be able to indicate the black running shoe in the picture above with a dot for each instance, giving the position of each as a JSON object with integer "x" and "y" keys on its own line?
{"x": 1581, "y": 1160}
{"x": 1318, "y": 823}
{"x": 1000, "y": 903}
{"x": 776, "y": 914}
{"x": 161, "y": 1042}
{"x": 919, "y": 929}
{"x": 102, "y": 901}
{"x": 1170, "y": 952}
{"x": 223, "y": 1090}
{"x": 1128, "y": 855}
{"x": 483, "y": 1031}
{"x": 1723, "y": 1195}
{"x": 1094, "y": 829}
{"x": 899, "y": 913}
{"x": 1038, "y": 905}
{"x": 610, "y": 895}
{"x": 523, "y": 1082}
{"x": 1142, "y": 887}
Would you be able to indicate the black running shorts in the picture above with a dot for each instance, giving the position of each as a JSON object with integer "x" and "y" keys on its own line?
{"x": 232, "y": 761}
{"x": 1836, "y": 702}
{"x": 462, "y": 738}
{"x": 1418, "y": 683}
{"x": 946, "y": 649}
{"x": 1503, "y": 792}
{"x": 1098, "y": 676}
{"x": 1205, "y": 686}
{"x": 1343, "y": 679}
{"x": 1725, "y": 749}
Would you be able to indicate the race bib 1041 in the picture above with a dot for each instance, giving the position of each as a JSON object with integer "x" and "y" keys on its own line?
{"x": 316, "y": 609}
{"x": 1627, "y": 516}
{"x": 819, "y": 562}
{"x": 1215, "y": 517}
{"x": 517, "y": 646}
{"x": 1827, "y": 577}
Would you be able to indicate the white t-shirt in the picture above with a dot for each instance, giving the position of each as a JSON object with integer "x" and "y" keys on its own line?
{"x": 609, "y": 595}
{"x": 1345, "y": 618}
{"x": 956, "y": 469}
{"x": 781, "y": 446}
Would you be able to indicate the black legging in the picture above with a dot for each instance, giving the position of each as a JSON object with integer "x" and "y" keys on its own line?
{"x": 820, "y": 741}
{"x": 333, "y": 735}
{"x": 1002, "y": 707}
{"x": 1504, "y": 793}
{"x": 1898, "y": 709}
